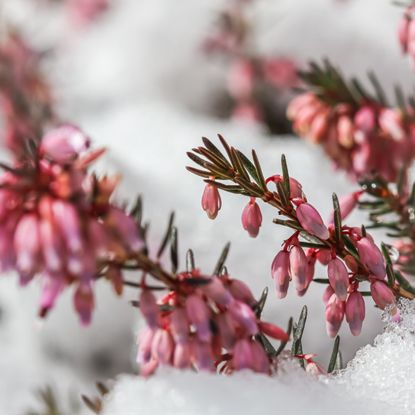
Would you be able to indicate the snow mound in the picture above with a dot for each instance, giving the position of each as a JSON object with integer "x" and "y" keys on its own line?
{"x": 386, "y": 370}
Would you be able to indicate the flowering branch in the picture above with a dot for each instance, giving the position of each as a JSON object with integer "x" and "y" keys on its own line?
{"x": 355, "y": 127}
{"x": 350, "y": 253}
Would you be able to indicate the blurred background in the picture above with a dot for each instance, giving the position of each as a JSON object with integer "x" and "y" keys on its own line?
{"x": 142, "y": 81}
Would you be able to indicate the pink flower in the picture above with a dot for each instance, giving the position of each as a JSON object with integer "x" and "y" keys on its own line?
{"x": 162, "y": 346}
{"x": 241, "y": 79}
{"x": 199, "y": 315}
{"x": 149, "y": 308}
{"x": 64, "y": 144}
{"x": 83, "y": 12}
{"x": 311, "y": 221}
{"x": 211, "y": 201}
{"x": 334, "y": 315}
{"x": 403, "y": 29}
{"x": 179, "y": 325}
{"x": 240, "y": 291}
{"x": 216, "y": 291}
{"x": 355, "y": 312}
{"x": 242, "y": 355}
{"x": 280, "y": 271}
{"x": 371, "y": 256}
{"x": 273, "y": 331}
{"x": 328, "y": 292}
{"x": 382, "y": 295}
{"x": 84, "y": 302}
{"x": 252, "y": 218}
{"x": 338, "y": 277}
{"x": 244, "y": 316}
{"x": 298, "y": 267}
{"x": 182, "y": 355}
{"x": 282, "y": 72}
{"x": 347, "y": 204}
{"x": 390, "y": 120}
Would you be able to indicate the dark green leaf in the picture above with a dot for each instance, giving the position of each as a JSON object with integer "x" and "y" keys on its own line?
{"x": 190, "y": 261}
{"x": 174, "y": 254}
{"x": 167, "y": 236}
{"x": 222, "y": 259}
{"x": 334, "y": 354}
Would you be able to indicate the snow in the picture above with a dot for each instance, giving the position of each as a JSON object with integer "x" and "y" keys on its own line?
{"x": 138, "y": 85}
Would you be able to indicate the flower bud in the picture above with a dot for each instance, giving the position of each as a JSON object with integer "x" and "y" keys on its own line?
{"x": 298, "y": 267}
{"x": 327, "y": 294}
{"x": 244, "y": 316}
{"x": 334, "y": 315}
{"x": 382, "y": 295}
{"x": 365, "y": 119}
{"x": 203, "y": 355}
{"x": 64, "y": 144}
{"x": 339, "y": 278}
{"x": 198, "y": 314}
{"x": 273, "y": 331}
{"x": 182, "y": 355}
{"x": 280, "y": 271}
{"x": 179, "y": 325}
{"x": 84, "y": 302}
{"x": 347, "y": 204}
{"x": 227, "y": 330}
{"x": 390, "y": 120}
{"x": 217, "y": 292}
{"x": 149, "y": 308}
{"x": 371, "y": 256}
{"x": 145, "y": 341}
{"x": 260, "y": 360}
{"x": 51, "y": 288}
{"x": 211, "y": 201}
{"x": 355, "y": 312}
{"x": 319, "y": 126}
{"x": 323, "y": 256}
{"x": 345, "y": 131}
{"x": 241, "y": 79}
{"x": 403, "y": 29}
{"x": 162, "y": 346}
{"x": 311, "y": 221}
{"x": 242, "y": 355}
{"x": 240, "y": 291}
{"x": 252, "y": 218}
{"x": 27, "y": 244}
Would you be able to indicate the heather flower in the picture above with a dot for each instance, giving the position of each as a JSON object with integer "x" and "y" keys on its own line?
{"x": 252, "y": 218}
{"x": 311, "y": 221}
{"x": 338, "y": 277}
{"x": 347, "y": 204}
{"x": 83, "y": 12}
{"x": 280, "y": 271}
{"x": 211, "y": 201}
{"x": 371, "y": 256}
{"x": 298, "y": 267}
{"x": 355, "y": 312}
{"x": 335, "y": 309}
{"x": 61, "y": 221}
{"x": 382, "y": 295}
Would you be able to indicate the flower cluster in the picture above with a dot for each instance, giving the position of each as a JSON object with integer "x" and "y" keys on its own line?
{"x": 356, "y": 139}
{"x": 83, "y": 12}
{"x": 350, "y": 254}
{"x": 56, "y": 220}
{"x": 257, "y": 86}
{"x": 25, "y": 97}
{"x": 207, "y": 323}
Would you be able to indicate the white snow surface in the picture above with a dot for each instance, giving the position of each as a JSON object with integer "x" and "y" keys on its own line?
{"x": 138, "y": 84}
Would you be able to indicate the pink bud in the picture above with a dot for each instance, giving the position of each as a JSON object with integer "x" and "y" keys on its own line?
{"x": 67, "y": 219}
{"x": 126, "y": 227}
{"x": 198, "y": 314}
{"x": 217, "y": 292}
{"x": 51, "y": 289}
{"x": 355, "y": 312}
{"x": 319, "y": 126}
{"x": 390, "y": 120}
{"x": 328, "y": 292}
{"x": 260, "y": 360}
{"x": 311, "y": 221}
{"x": 280, "y": 271}
{"x": 244, "y": 316}
{"x": 149, "y": 308}
{"x": 252, "y": 218}
{"x": 240, "y": 291}
{"x": 64, "y": 144}
{"x": 242, "y": 355}
{"x": 351, "y": 263}
{"x": 371, "y": 256}
{"x": 382, "y": 295}
{"x": 179, "y": 325}
{"x": 145, "y": 341}
{"x": 365, "y": 119}
{"x": 27, "y": 244}
{"x": 84, "y": 302}
{"x": 51, "y": 246}
{"x": 149, "y": 368}
{"x": 241, "y": 79}
{"x": 298, "y": 267}
{"x": 211, "y": 201}
{"x": 203, "y": 356}
{"x": 338, "y": 277}
{"x": 162, "y": 346}
{"x": 227, "y": 330}
{"x": 296, "y": 189}
{"x": 323, "y": 256}
{"x": 334, "y": 315}
{"x": 345, "y": 131}
{"x": 347, "y": 204}
{"x": 298, "y": 103}
{"x": 182, "y": 356}
{"x": 273, "y": 331}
